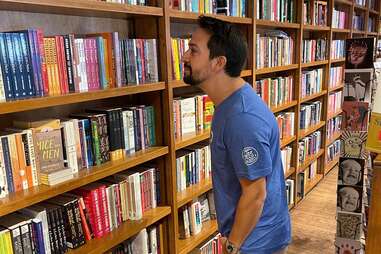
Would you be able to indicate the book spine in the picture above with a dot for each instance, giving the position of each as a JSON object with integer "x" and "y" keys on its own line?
{"x": 3, "y": 175}
{"x": 36, "y": 63}
{"x": 69, "y": 63}
{"x": 96, "y": 141}
{"x": 30, "y": 79}
{"x": 104, "y": 209}
{"x": 28, "y": 164}
{"x": 85, "y": 225}
{"x": 44, "y": 72}
{"x": 8, "y": 163}
{"x": 78, "y": 222}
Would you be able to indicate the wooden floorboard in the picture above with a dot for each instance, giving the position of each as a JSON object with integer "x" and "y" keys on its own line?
{"x": 313, "y": 221}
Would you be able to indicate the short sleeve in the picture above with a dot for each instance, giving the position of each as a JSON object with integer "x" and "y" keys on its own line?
{"x": 247, "y": 139}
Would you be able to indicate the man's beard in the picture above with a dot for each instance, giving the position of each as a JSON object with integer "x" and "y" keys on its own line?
{"x": 188, "y": 78}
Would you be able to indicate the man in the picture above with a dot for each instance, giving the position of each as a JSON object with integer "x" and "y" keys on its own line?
{"x": 248, "y": 179}
{"x": 350, "y": 172}
{"x": 349, "y": 199}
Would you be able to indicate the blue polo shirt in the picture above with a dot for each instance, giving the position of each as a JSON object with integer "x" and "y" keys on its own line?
{"x": 245, "y": 144}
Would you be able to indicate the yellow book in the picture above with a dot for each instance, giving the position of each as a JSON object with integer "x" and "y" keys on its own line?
{"x": 8, "y": 242}
{"x": 373, "y": 142}
{"x": 201, "y": 6}
{"x": 175, "y": 49}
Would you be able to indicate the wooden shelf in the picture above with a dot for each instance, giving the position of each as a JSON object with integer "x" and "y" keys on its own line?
{"x": 340, "y": 60}
{"x": 286, "y": 141}
{"x": 193, "y": 191}
{"x": 283, "y": 107}
{"x": 289, "y": 172}
{"x": 276, "y": 69}
{"x": 187, "y": 245}
{"x": 312, "y": 64}
{"x": 180, "y": 83}
{"x": 311, "y": 184}
{"x": 331, "y": 164}
{"x": 305, "y": 133}
{"x": 81, "y": 8}
{"x": 374, "y": 12}
{"x": 335, "y": 88}
{"x": 330, "y": 116}
{"x": 310, "y": 159}
{"x": 372, "y": 33}
{"x": 360, "y": 7}
{"x": 50, "y": 101}
{"x": 346, "y": 2}
{"x": 335, "y": 136}
{"x": 358, "y": 32}
{"x": 270, "y": 23}
{"x": 191, "y": 138}
{"x": 341, "y": 30}
{"x": 17, "y": 200}
{"x": 316, "y": 28}
{"x": 192, "y": 16}
{"x": 291, "y": 206}
{"x": 126, "y": 230}
{"x": 313, "y": 96}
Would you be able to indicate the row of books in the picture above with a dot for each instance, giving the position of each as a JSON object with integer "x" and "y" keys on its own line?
{"x": 147, "y": 241}
{"x": 33, "y": 65}
{"x": 300, "y": 185}
{"x": 213, "y": 246}
{"x": 179, "y": 47}
{"x": 286, "y": 154}
{"x": 290, "y": 188}
{"x": 133, "y": 2}
{"x": 92, "y": 211}
{"x": 337, "y": 49}
{"x": 334, "y": 102}
{"x": 286, "y": 124}
{"x": 312, "y": 171}
{"x": 314, "y": 50}
{"x": 360, "y": 2}
{"x": 372, "y": 4}
{"x": 339, "y": 19}
{"x": 310, "y": 114}
{"x": 51, "y": 151}
{"x": 336, "y": 76}
{"x": 193, "y": 165}
{"x": 312, "y": 82}
{"x": 371, "y": 24}
{"x": 333, "y": 150}
{"x": 275, "y": 91}
{"x": 235, "y": 8}
{"x": 315, "y": 12}
{"x": 192, "y": 114}
{"x": 192, "y": 216}
{"x": 274, "y": 48}
{"x": 281, "y": 11}
{"x": 309, "y": 145}
{"x": 333, "y": 126}
{"x": 358, "y": 22}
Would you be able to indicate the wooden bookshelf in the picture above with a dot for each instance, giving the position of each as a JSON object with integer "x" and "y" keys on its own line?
{"x": 311, "y": 184}
{"x": 360, "y": 32}
{"x": 193, "y": 191}
{"x": 340, "y": 30}
{"x": 313, "y": 96}
{"x": 17, "y": 200}
{"x": 374, "y": 12}
{"x": 331, "y": 164}
{"x": 126, "y": 230}
{"x": 335, "y": 136}
{"x": 333, "y": 115}
{"x": 181, "y": 16}
{"x": 313, "y": 64}
{"x": 72, "y": 98}
{"x": 192, "y": 138}
{"x": 276, "y": 24}
{"x": 286, "y": 141}
{"x": 340, "y": 60}
{"x": 346, "y": 2}
{"x": 309, "y": 160}
{"x": 276, "y": 69}
{"x": 283, "y": 107}
{"x": 187, "y": 245}
{"x": 316, "y": 28}
{"x": 305, "y": 133}
{"x": 360, "y": 7}
{"x": 289, "y": 172}
{"x": 340, "y": 87}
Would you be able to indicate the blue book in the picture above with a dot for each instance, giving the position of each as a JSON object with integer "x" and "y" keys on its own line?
{"x": 87, "y": 129}
{"x": 19, "y": 65}
{"x": 38, "y": 236}
{"x": 6, "y": 69}
{"x": 11, "y": 55}
{"x": 27, "y": 64}
{"x": 101, "y": 62}
{"x": 7, "y": 164}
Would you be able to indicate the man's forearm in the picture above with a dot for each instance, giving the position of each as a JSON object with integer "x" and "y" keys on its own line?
{"x": 248, "y": 211}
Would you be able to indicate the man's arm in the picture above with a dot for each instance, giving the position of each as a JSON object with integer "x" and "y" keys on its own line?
{"x": 249, "y": 209}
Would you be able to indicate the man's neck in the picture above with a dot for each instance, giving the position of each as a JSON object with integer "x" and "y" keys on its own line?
{"x": 221, "y": 87}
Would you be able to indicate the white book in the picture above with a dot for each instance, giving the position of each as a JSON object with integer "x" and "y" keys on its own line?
{"x": 195, "y": 218}
{"x": 69, "y": 145}
{"x": 110, "y": 205}
{"x": 81, "y": 64}
{"x": 153, "y": 240}
{"x": 77, "y": 142}
{"x": 2, "y": 91}
{"x": 3, "y": 175}
{"x": 188, "y": 115}
{"x": 128, "y": 124}
{"x": 140, "y": 243}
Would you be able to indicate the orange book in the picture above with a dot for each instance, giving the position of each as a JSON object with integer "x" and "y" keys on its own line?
{"x": 23, "y": 171}
{"x": 17, "y": 179}
{"x": 54, "y": 59}
{"x": 48, "y": 63}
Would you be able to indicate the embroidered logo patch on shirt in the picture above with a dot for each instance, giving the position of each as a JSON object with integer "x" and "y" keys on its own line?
{"x": 249, "y": 155}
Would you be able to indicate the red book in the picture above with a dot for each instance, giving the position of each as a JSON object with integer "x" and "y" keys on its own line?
{"x": 59, "y": 64}
{"x": 117, "y": 203}
{"x": 103, "y": 202}
{"x": 85, "y": 227}
{"x": 64, "y": 66}
{"x": 93, "y": 45}
{"x": 44, "y": 71}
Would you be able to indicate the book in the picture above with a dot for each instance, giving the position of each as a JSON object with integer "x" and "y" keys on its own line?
{"x": 355, "y": 116}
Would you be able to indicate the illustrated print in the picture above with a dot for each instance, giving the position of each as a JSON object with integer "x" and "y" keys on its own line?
{"x": 249, "y": 155}
{"x": 351, "y": 171}
{"x": 358, "y": 85}
{"x": 354, "y": 144}
{"x": 356, "y": 116}
{"x": 347, "y": 246}
{"x": 360, "y": 53}
{"x": 349, "y": 225}
{"x": 349, "y": 198}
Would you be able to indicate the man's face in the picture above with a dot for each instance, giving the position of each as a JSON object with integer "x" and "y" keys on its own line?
{"x": 351, "y": 171}
{"x": 197, "y": 65}
{"x": 349, "y": 199}
{"x": 357, "y": 54}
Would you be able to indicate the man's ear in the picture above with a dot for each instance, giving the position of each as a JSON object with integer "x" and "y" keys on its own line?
{"x": 219, "y": 63}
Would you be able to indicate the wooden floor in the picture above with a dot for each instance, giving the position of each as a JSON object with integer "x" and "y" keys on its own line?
{"x": 313, "y": 221}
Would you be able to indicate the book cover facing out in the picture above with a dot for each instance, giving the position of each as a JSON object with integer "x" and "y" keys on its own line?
{"x": 360, "y": 52}
{"x": 373, "y": 142}
{"x": 355, "y": 117}
{"x": 49, "y": 149}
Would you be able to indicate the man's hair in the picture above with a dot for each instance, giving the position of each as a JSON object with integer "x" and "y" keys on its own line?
{"x": 226, "y": 40}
